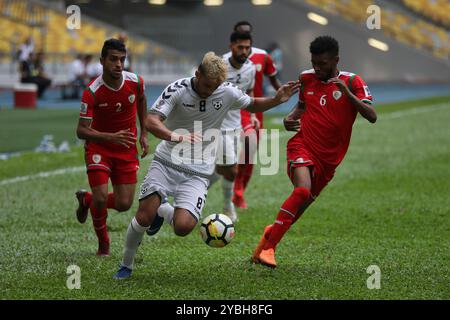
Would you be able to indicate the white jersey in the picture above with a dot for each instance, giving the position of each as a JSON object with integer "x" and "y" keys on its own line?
{"x": 184, "y": 110}
{"x": 244, "y": 79}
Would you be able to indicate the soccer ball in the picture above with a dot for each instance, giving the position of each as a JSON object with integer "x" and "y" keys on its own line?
{"x": 217, "y": 230}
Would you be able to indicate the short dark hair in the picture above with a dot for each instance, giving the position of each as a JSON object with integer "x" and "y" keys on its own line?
{"x": 113, "y": 44}
{"x": 242, "y": 23}
{"x": 235, "y": 36}
{"x": 324, "y": 44}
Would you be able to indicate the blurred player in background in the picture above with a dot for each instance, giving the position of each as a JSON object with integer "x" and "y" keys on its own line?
{"x": 241, "y": 72}
{"x": 329, "y": 102}
{"x": 251, "y": 123}
{"x": 204, "y": 99}
{"x": 108, "y": 124}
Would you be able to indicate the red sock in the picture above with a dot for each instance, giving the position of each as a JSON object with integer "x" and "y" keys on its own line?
{"x": 99, "y": 221}
{"x": 87, "y": 199}
{"x": 248, "y": 170}
{"x": 286, "y": 216}
{"x": 111, "y": 203}
{"x": 238, "y": 187}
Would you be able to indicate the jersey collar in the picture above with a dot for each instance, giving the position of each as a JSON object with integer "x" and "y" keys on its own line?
{"x": 112, "y": 89}
{"x": 328, "y": 81}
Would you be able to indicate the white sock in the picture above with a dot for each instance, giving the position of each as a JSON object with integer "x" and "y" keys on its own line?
{"x": 213, "y": 178}
{"x": 227, "y": 187}
{"x": 135, "y": 233}
{"x": 166, "y": 211}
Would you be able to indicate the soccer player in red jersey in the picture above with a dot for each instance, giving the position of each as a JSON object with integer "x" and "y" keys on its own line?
{"x": 108, "y": 124}
{"x": 252, "y": 122}
{"x": 329, "y": 102}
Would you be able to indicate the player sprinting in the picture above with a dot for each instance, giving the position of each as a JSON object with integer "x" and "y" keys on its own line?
{"x": 184, "y": 105}
{"x": 241, "y": 72}
{"x": 251, "y": 123}
{"x": 329, "y": 102}
{"x": 108, "y": 124}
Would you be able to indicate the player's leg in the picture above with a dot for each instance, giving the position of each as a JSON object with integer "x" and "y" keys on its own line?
{"x": 189, "y": 201}
{"x": 229, "y": 174}
{"x": 98, "y": 180}
{"x": 121, "y": 199}
{"x": 246, "y": 161}
{"x": 184, "y": 222}
{"x": 135, "y": 232}
{"x": 253, "y": 147}
{"x": 226, "y": 166}
{"x": 298, "y": 200}
{"x": 124, "y": 179}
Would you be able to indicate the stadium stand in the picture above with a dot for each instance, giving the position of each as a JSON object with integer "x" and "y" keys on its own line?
{"x": 396, "y": 22}
{"x": 46, "y": 25}
{"x": 436, "y": 10}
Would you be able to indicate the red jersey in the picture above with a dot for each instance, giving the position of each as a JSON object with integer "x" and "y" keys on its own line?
{"x": 112, "y": 110}
{"x": 326, "y": 125}
{"x": 264, "y": 66}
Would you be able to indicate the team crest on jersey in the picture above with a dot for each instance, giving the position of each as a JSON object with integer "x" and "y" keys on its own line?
{"x": 96, "y": 158}
{"x": 84, "y": 107}
{"x": 132, "y": 98}
{"x": 217, "y": 103}
{"x": 258, "y": 67}
{"x": 144, "y": 188}
{"x": 337, "y": 94}
{"x": 159, "y": 105}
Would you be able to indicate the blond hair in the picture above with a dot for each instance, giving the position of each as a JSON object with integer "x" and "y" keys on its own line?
{"x": 213, "y": 67}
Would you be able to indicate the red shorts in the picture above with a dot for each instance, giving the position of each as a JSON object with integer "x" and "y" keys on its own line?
{"x": 120, "y": 167}
{"x": 246, "y": 121}
{"x": 297, "y": 155}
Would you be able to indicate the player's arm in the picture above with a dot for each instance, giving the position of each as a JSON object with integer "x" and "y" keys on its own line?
{"x": 154, "y": 124}
{"x": 254, "y": 120}
{"x": 123, "y": 137}
{"x": 292, "y": 121}
{"x": 365, "y": 109}
{"x": 86, "y": 132}
{"x": 142, "y": 114}
{"x": 276, "y": 84}
{"x": 283, "y": 94}
{"x": 271, "y": 72}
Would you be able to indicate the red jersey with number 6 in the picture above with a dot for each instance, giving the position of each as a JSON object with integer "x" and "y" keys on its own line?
{"x": 326, "y": 125}
{"x": 112, "y": 110}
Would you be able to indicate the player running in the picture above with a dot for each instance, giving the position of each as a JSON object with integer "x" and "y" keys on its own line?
{"x": 108, "y": 124}
{"x": 192, "y": 108}
{"x": 252, "y": 122}
{"x": 241, "y": 72}
{"x": 329, "y": 102}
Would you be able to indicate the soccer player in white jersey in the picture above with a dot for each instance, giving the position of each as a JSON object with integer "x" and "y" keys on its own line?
{"x": 241, "y": 72}
{"x": 184, "y": 115}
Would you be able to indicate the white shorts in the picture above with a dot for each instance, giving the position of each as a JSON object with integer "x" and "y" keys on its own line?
{"x": 227, "y": 150}
{"x": 189, "y": 191}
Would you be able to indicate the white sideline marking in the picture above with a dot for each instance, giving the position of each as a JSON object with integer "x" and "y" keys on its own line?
{"x": 389, "y": 116}
{"x": 42, "y": 175}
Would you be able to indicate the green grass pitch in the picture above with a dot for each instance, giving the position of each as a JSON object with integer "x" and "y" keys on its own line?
{"x": 388, "y": 205}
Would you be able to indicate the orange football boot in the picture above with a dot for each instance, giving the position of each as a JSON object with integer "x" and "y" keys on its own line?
{"x": 267, "y": 258}
{"x": 261, "y": 244}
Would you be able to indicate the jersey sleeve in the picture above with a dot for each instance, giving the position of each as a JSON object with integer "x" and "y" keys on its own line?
{"x": 141, "y": 85}
{"x": 164, "y": 105}
{"x": 87, "y": 104}
{"x": 253, "y": 76}
{"x": 270, "y": 69}
{"x": 240, "y": 99}
{"x": 360, "y": 89}
{"x": 301, "y": 91}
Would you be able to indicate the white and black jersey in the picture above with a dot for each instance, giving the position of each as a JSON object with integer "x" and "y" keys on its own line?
{"x": 184, "y": 110}
{"x": 244, "y": 79}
